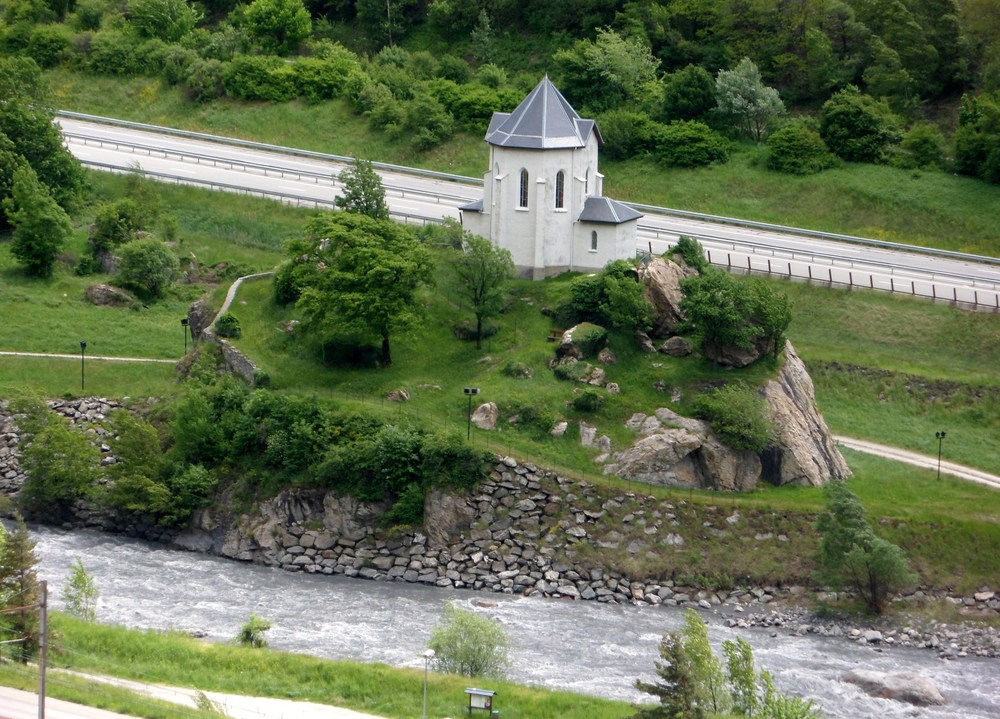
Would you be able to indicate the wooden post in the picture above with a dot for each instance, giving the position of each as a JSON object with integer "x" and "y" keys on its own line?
{"x": 43, "y": 601}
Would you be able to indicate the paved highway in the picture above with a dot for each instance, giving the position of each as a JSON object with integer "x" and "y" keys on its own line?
{"x": 417, "y": 196}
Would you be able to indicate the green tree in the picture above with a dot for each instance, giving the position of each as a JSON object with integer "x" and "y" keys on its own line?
{"x": 922, "y": 146}
{"x": 362, "y": 191}
{"x": 614, "y": 297}
{"x": 607, "y": 72}
{"x": 483, "y": 270}
{"x": 676, "y": 687}
{"x": 745, "y": 101}
{"x": 729, "y": 312}
{"x": 18, "y": 590}
{"x": 856, "y": 127}
{"x": 61, "y": 466}
{"x": 467, "y": 644}
{"x": 977, "y": 142}
{"x": 737, "y": 414}
{"x": 137, "y": 477}
{"x": 279, "y": 26}
{"x": 252, "y": 632}
{"x": 852, "y": 555}
{"x": 168, "y": 20}
{"x": 27, "y": 121}
{"x": 80, "y": 593}
{"x": 706, "y": 670}
{"x": 688, "y": 94}
{"x": 116, "y": 223}
{"x": 147, "y": 266}
{"x": 371, "y": 272}
{"x": 41, "y": 226}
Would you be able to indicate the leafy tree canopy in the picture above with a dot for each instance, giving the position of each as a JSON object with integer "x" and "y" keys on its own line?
{"x": 278, "y": 26}
{"x": 368, "y": 274}
{"x": 362, "y": 191}
{"x": 467, "y": 644}
{"x": 745, "y": 101}
{"x": 856, "y": 127}
{"x": 484, "y": 270}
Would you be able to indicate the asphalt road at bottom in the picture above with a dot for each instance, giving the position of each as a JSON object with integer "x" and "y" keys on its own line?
{"x": 17, "y": 704}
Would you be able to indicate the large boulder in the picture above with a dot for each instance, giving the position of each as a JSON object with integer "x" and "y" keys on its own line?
{"x": 731, "y": 356}
{"x": 804, "y": 452}
{"x": 908, "y": 687}
{"x": 200, "y": 317}
{"x": 104, "y": 295}
{"x": 661, "y": 279}
{"x": 678, "y": 451}
{"x": 447, "y": 515}
{"x": 582, "y": 340}
{"x": 485, "y": 416}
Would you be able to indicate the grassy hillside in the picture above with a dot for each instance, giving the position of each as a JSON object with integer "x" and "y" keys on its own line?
{"x": 927, "y": 208}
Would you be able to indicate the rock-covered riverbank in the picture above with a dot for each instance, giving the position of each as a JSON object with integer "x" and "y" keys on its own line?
{"x": 522, "y": 531}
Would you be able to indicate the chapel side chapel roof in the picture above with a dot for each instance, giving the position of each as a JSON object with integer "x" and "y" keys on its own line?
{"x": 543, "y": 121}
{"x": 607, "y": 211}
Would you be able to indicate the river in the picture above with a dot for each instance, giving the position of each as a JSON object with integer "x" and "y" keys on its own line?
{"x": 580, "y": 646}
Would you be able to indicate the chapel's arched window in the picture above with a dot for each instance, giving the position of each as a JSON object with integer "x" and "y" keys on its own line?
{"x": 560, "y": 184}
{"x": 593, "y": 241}
{"x": 523, "y": 197}
{"x": 586, "y": 183}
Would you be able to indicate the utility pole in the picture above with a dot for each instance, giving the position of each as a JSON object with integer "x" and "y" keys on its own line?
{"x": 43, "y": 604}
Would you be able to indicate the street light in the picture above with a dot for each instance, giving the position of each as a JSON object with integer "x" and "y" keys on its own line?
{"x": 184, "y": 329}
{"x": 428, "y": 655}
{"x": 83, "y": 351}
{"x": 470, "y": 391}
{"x": 940, "y": 439}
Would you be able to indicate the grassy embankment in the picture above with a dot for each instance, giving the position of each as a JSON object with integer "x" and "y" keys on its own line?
{"x": 932, "y": 209}
{"x": 177, "y": 660}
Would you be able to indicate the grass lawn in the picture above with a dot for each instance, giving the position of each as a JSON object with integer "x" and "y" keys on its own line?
{"x": 177, "y": 660}
{"x": 932, "y": 209}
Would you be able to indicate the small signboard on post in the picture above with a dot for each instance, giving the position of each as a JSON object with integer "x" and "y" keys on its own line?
{"x": 482, "y": 699}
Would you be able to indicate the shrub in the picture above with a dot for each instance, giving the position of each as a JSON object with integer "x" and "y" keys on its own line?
{"x": 48, "y": 44}
{"x": 61, "y": 467}
{"x": 408, "y": 509}
{"x": 466, "y": 330}
{"x": 627, "y": 133}
{"x": 977, "y": 142}
{"x": 259, "y": 77}
{"x": 798, "y": 150}
{"x": 167, "y": 20}
{"x": 80, "y": 593}
{"x": 692, "y": 253}
{"x": 590, "y": 338}
{"x": 737, "y": 414}
{"x": 689, "y": 144}
{"x": 590, "y": 400}
{"x": 177, "y": 62}
{"x": 570, "y": 369}
{"x": 613, "y": 297}
{"x": 228, "y": 326}
{"x": 851, "y": 554}
{"x": 922, "y": 146}
{"x": 688, "y": 94}
{"x": 116, "y": 223}
{"x": 203, "y": 80}
{"x": 113, "y": 52}
{"x": 147, "y": 266}
{"x": 856, "y": 127}
{"x": 252, "y": 632}
{"x": 467, "y": 644}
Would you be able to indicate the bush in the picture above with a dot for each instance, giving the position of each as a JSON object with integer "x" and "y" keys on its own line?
{"x": 627, "y": 133}
{"x": 692, "y": 253}
{"x": 408, "y": 509}
{"x": 590, "y": 338}
{"x": 147, "y": 266}
{"x": 689, "y": 144}
{"x": 798, "y": 150}
{"x": 114, "y": 53}
{"x": 977, "y": 142}
{"x": 613, "y": 297}
{"x": 851, "y": 554}
{"x": 922, "y": 146}
{"x": 856, "y": 127}
{"x": 570, "y": 369}
{"x": 48, "y": 44}
{"x": 466, "y": 330}
{"x": 203, "y": 80}
{"x": 61, "y": 467}
{"x": 259, "y": 77}
{"x": 115, "y": 224}
{"x": 228, "y": 326}
{"x": 252, "y": 632}
{"x": 590, "y": 400}
{"x": 688, "y": 94}
{"x": 737, "y": 414}
{"x": 467, "y": 644}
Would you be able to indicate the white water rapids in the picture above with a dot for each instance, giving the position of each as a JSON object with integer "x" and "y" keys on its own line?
{"x": 580, "y": 646}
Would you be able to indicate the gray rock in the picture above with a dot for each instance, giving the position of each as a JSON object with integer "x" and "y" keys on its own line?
{"x": 485, "y": 416}
{"x": 908, "y": 687}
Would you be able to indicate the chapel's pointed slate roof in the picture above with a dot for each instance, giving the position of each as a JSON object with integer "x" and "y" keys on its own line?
{"x": 544, "y": 120}
{"x": 606, "y": 210}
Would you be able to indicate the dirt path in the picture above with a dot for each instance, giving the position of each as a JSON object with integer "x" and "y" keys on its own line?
{"x": 919, "y": 460}
{"x": 89, "y": 357}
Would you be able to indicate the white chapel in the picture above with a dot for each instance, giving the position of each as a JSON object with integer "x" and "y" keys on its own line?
{"x": 543, "y": 195}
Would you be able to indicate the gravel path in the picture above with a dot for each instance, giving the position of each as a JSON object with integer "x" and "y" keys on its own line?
{"x": 919, "y": 460}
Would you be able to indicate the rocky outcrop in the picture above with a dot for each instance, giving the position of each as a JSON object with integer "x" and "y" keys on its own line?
{"x": 661, "y": 279}
{"x": 107, "y": 296}
{"x": 677, "y": 347}
{"x": 582, "y": 340}
{"x": 804, "y": 452}
{"x": 908, "y": 687}
{"x": 676, "y": 451}
{"x": 485, "y": 416}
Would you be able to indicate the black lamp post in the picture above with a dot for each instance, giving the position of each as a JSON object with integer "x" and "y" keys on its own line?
{"x": 83, "y": 352}
{"x": 184, "y": 329}
{"x": 470, "y": 391}
{"x": 940, "y": 439}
